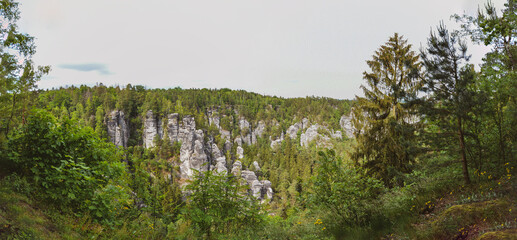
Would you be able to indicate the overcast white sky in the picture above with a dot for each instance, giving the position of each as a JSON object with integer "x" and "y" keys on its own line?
{"x": 288, "y": 48}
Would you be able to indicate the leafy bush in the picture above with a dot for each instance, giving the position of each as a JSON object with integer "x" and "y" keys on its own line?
{"x": 69, "y": 165}
{"x": 219, "y": 204}
{"x": 345, "y": 197}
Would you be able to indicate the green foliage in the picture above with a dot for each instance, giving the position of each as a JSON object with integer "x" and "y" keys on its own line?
{"x": 448, "y": 83}
{"x": 60, "y": 157}
{"x": 219, "y": 204}
{"x": 18, "y": 75}
{"x": 345, "y": 196}
{"x": 68, "y": 164}
{"x": 495, "y": 118}
{"x": 383, "y": 119}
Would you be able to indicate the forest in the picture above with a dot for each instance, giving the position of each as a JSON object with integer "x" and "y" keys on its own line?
{"x": 427, "y": 151}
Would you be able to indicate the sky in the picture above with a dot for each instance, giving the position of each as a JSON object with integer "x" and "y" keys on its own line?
{"x": 287, "y": 48}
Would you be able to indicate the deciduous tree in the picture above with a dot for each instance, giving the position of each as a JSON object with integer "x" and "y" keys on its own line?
{"x": 18, "y": 74}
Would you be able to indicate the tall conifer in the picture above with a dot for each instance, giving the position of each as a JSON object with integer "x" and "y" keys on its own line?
{"x": 449, "y": 98}
{"x": 384, "y": 123}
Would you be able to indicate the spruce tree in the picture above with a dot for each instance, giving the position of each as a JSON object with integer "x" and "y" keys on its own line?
{"x": 383, "y": 119}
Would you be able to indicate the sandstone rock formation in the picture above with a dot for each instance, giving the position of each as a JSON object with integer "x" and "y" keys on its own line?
{"x": 192, "y": 154}
{"x": 256, "y": 166}
{"x": 152, "y": 128}
{"x": 118, "y": 131}
{"x": 346, "y": 125}
{"x": 173, "y": 127}
{"x": 259, "y": 189}
{"x": 258, "y": 131}
{"x": 312, "y": 134}
{"x": 213, "y": 118}
{"x": 220, "y": 165}
{"x": 292, "y": 131}
{"x": 240, "y": 152}
{"x": 245, "y": 128}
{"x": 237, "y": 167}
{"x": 277, "y": 142}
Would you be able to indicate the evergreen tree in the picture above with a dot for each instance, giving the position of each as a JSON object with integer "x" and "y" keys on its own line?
{"x": 448, "y": 83}
{"x": 385, "y": 126}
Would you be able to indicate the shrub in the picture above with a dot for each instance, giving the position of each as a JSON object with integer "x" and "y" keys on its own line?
{"x": 343, "y": 194}
{"x": 69, "y": 165}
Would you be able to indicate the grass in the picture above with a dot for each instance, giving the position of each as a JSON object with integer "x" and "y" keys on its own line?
{"x": 21, "y": 218}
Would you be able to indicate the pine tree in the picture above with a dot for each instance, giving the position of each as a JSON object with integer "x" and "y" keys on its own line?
{"x": 385, "y": 126}
{"x": 449, "y": 98}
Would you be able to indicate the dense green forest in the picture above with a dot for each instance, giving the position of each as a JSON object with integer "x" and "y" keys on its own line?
{"x": 428, "y": 151}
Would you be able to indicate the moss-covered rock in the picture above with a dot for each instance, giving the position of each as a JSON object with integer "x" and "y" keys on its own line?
{"x": 457, "y": 219}
{"x": 509, "y": 234}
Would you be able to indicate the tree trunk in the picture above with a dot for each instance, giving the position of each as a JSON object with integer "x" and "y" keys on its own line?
{"x": 462, "y": 151}
{"x": 11, "y": 116}
{"x": 502, "y": 150}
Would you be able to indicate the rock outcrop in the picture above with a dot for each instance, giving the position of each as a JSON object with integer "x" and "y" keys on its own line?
{"x": 256, "y": 189}
{"x": 245, "y": 128}
{"x": 292, "y": 131}
{"x": 186, "y": 129}
{"x": 213, "y": 118}
{"x": 225, "y": 134}
{"x": 240, "y": 152}
{"x": 305, "y": 123}
{"x": 193, "y": 148}
{"x": 220, "y": 165}
{"x": 152, "y": 128}
{"x": 216, "y": 153}
{"x": 173, "y": 127}
{"x": 249, "y": 176}
{"x": 312, "y": 134}
{"x": 118, "y": 131}
{"x": 259, "y": 189}
{"x": 336, "y": 135}
{"x": 192, "y": 154}
{"x": 346, "y": 125}
{"x": 267, "y": 191}
{"x": 256, "y": 166}
{"x": 196, "y": 154}
{"x": 258, "y": 131}
{"x": 277, "y": 142}
{"x": 236, "y": 168}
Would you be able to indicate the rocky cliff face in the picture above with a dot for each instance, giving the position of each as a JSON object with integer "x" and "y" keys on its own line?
{"x": 312, "y": 134}
{"x": 258, "y": 131}
{"x": 192, "y": 154}
{"x": 277, "y": 142}
{"x": 245, "y": 128}
{"x": 259, "y": 189}
{"x": 293, "y": 130}
{"x": 118, "y": 131}
{"x": 315, "y": 132}
{"x": 152, "y": 128}
{"x": 346, "y": 125}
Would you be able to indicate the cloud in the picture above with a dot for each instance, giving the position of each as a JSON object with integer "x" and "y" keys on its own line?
{"x": 88, "y": 67}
